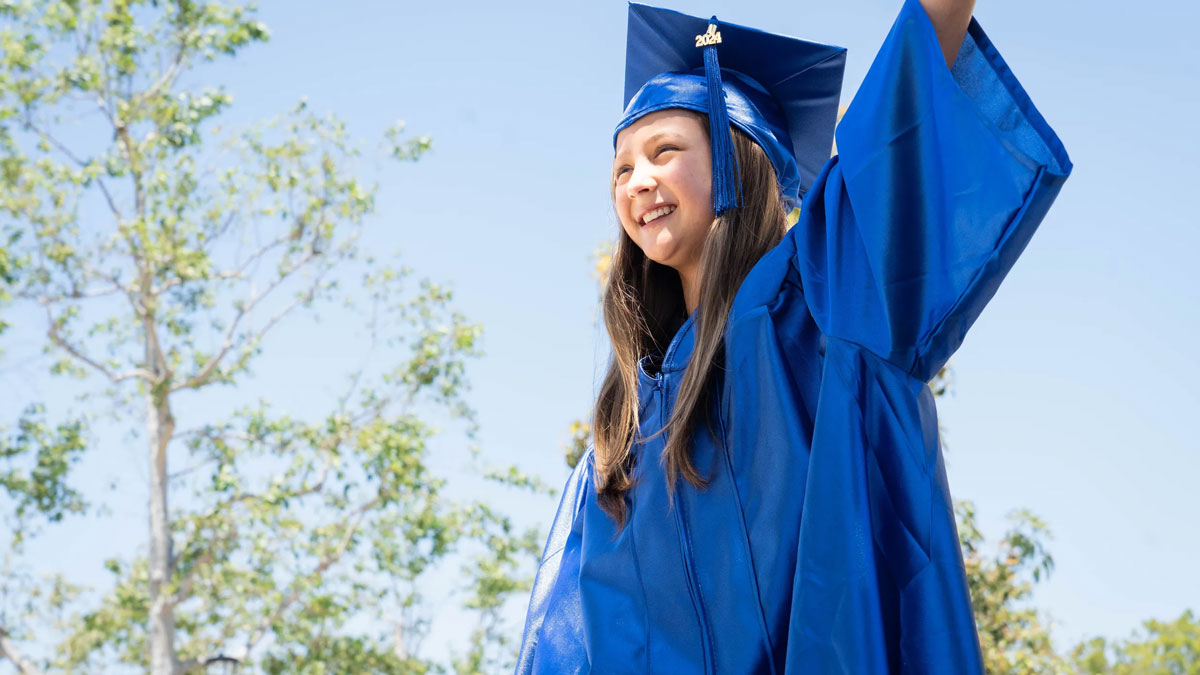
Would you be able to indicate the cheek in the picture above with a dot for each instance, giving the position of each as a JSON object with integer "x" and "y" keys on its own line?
{"x": 696, "y": 188}
{"x": 694, "y": 184}
{"x": 621, "y": 208}
{"x": 701, "y": 186}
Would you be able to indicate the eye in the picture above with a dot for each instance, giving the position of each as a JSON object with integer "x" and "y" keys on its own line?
{"x": 664, "y": 148}
{"x": 621, "y": 171}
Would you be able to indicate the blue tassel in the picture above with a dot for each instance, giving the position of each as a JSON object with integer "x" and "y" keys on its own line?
{"x": 724, "y": 161}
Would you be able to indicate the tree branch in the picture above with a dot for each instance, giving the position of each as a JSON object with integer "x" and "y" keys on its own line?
{"x": 185, "y": 587}
{"x": 239, "y": 271}
{"x": 112, "y": 204}
{"x": 167, "y": 77}
{"x": 9, "y": 651}
{"x": 350, "y": 523}
{"x": 77, "y": 294}
{"x": 188, "y": 580}
{"x": 230, "y": 340}
{"x": 115, "y": 377}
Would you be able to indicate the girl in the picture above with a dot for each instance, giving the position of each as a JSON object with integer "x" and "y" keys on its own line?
{"x": 765, "y": 491}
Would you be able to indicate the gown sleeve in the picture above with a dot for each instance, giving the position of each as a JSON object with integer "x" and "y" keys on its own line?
{"x": 552, "y": 632}
{"x": 941, "y": 179}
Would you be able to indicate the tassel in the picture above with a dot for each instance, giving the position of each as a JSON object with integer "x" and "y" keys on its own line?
{"x": 725, "y": 192}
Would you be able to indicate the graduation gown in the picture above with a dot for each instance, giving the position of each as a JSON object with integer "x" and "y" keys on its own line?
{"x": 826, "y": 541}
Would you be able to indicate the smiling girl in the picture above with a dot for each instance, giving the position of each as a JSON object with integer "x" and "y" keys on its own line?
{"x": 765, "y": 492}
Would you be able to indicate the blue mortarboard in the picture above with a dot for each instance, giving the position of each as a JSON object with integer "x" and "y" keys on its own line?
{"x": 780, "y": 90}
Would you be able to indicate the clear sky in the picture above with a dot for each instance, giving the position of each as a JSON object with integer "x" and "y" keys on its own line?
{"x": 1076, "y": 390}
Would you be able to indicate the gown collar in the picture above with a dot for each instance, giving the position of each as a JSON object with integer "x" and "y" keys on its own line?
{"x": 680, "y": 350}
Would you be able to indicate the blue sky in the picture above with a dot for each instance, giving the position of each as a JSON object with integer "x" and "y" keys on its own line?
{"x": 1076, "y": 391}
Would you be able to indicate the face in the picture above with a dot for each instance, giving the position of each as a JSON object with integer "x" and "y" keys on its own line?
{"x": 662, "y": 186}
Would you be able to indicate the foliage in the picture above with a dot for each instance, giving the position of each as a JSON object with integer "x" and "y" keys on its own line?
{"x": 1013, "y": 635}
{"x": 35, "y": 460}
{"x": 161, "y": 254}
{"x": 577, "y": 444}
{"x": 1166, "y": 648}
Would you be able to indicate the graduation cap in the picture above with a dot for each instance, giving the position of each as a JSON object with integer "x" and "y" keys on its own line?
{"x": 780, "y": 90}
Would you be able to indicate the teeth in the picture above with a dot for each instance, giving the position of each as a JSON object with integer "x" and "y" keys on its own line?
{"x": 657, "y": 213}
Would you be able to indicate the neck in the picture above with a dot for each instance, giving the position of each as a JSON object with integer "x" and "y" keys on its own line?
{"x": 689, "y": 279}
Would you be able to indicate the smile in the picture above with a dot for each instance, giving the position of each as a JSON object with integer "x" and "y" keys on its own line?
{"x": 651, "y": 216}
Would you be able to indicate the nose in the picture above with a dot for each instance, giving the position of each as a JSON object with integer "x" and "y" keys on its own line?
{"x": 641, "y": 179}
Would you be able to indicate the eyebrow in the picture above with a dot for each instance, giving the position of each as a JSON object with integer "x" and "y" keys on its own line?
{"x": 649, "y": 141}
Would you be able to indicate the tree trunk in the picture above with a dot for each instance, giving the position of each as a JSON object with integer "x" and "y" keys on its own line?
{"x": 160, "y": 426}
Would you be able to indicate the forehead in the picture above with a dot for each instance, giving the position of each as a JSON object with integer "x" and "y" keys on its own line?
{"x": 672, "y": 121}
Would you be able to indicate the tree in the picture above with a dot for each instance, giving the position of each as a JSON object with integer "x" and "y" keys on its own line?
{"x": 1166, "y": 648}
{"x": 1013, "y": 634}
{"x": 161, "y": 263}
{"x": 34, "y": 462}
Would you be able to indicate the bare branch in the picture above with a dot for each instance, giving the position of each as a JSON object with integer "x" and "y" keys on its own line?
{"x": 239, "y": 271}
{"x": 207, "y": 432}
{"x": 114, "y": 377}
{"x": 175, "y": 475}
{"x": 76, "y": 294}
{"x": 230, "y": 334}
{"x": 130, "y": 292}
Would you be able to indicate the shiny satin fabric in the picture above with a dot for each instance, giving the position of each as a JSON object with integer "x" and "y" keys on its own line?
{"x": 781, "y": 90}
{"x": 749, "y": 107}
{"x": 826, "y": 541}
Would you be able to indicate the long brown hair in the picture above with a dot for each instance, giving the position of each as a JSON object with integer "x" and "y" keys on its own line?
{"x": 644, "y": 307}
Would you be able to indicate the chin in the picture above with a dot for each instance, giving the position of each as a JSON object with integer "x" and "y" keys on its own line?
{"x": 656, "y": 254}
{"x": 660, "y": 253}
{"x": 663, "y": 262}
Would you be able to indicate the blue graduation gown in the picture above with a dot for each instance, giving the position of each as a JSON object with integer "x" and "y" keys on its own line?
{"x": 826, "y": 540}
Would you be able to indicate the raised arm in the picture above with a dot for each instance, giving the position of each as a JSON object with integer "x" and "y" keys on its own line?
{"x": 950, "y": 19}
{"x": 942, "y": 176}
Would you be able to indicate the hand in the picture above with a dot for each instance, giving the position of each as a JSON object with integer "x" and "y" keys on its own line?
{"x": 950, "y": 19}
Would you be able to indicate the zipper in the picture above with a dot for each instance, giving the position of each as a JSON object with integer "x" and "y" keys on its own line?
{"x": 769, "y": 652}
{"x": 685, "y": 547}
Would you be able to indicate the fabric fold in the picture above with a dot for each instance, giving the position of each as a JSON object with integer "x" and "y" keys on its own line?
{"x": 825, "y": 541}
